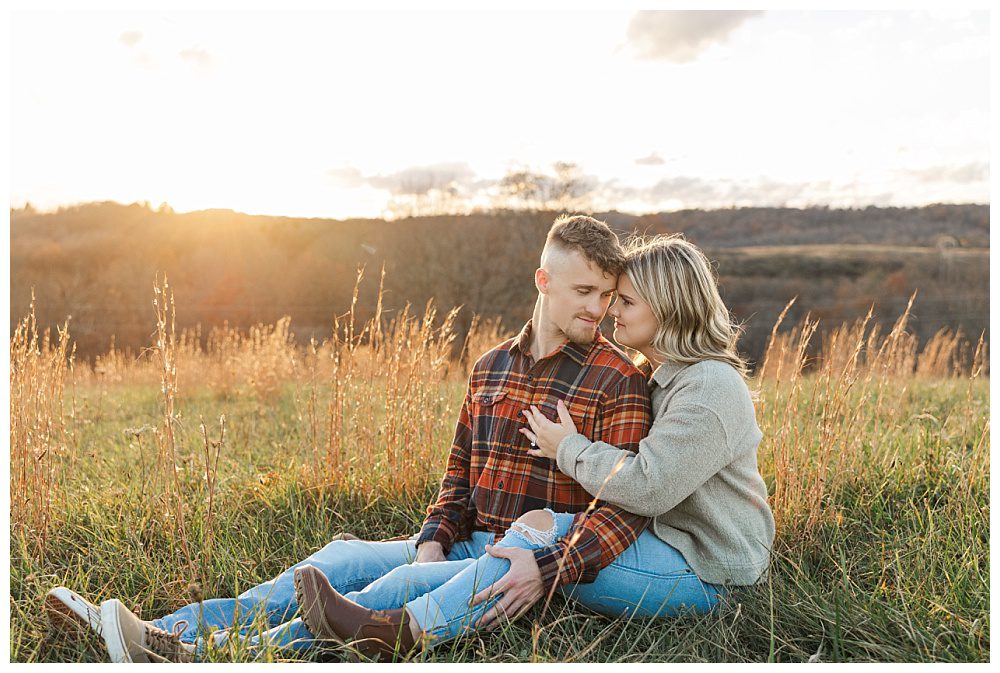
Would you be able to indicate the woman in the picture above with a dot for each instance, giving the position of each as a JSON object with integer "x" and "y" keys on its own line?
{"x": 696, "y": 472}
{"x": 695, "y": 475}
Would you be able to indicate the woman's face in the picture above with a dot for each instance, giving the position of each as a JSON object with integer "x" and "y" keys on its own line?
{"x": 635, "y": 324}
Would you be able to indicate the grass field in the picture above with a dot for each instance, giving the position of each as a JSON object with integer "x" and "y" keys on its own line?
{"x": 877, "y": 458}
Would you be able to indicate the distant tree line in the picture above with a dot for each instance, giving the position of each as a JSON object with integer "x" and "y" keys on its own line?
{"x": 97, "y": 262}
{"x": 929, "y": 226}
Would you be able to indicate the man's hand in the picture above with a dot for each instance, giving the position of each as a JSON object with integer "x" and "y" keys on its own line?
{"x": 429, "y": 552}
{"x": 521, "y": 587}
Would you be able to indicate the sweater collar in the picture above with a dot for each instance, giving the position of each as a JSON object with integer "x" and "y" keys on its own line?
{"x": 666, "y": 372}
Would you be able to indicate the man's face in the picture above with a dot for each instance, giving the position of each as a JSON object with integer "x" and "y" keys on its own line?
{"x": 579, "y": 293}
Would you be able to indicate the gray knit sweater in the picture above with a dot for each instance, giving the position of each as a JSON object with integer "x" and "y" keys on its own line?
{"x": 695, "y": 473}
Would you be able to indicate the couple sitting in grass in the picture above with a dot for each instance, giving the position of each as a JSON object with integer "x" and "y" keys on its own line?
{"x": 559, "y": 479}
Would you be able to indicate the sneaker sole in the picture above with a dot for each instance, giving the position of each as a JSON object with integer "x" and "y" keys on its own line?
{"x": 308, "y": 616}
{"x": 63, "y": 617}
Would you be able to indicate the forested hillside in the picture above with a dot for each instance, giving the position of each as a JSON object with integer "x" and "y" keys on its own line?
{"x": 97, "y": 263}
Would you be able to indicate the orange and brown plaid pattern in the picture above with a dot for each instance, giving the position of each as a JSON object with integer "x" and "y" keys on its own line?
{"x": 491, "y": 480}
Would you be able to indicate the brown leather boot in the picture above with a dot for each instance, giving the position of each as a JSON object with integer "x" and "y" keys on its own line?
{"x": 311, "y": 588}
{"x": 328, "y": 614}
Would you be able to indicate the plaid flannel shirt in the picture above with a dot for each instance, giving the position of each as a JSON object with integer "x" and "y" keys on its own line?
{"x": 491, "y": 480}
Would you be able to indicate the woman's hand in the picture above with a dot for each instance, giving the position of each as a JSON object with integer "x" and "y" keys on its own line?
{"x": 546, "y": 435}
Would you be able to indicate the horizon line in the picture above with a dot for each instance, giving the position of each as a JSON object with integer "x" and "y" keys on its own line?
{"x": 166, "y": 208}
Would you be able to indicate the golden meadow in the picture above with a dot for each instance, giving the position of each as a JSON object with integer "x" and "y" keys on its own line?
{"x": 207, "y": 463}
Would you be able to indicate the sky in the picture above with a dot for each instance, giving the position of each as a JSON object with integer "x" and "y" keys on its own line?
{"x": 336, "y": 114}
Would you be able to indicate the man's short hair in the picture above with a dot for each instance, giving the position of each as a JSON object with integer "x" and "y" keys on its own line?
{"x": 593, "y": 238}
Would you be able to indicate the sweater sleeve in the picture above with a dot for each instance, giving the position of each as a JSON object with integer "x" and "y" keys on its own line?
{"x": 685, "y": 447}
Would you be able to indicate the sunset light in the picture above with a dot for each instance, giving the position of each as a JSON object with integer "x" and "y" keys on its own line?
{"x": 513, "y": 335}
{"x": 335, "y": 114}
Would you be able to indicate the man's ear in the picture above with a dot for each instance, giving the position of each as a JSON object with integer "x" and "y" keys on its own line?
{"x": 542, "y": 280}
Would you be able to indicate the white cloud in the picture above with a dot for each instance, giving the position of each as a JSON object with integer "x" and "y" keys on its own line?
{"x": 130, "y": 38}
{"x": 411, "y": 180}
{"x": 197, "y": 56}
{"x": 680, "y": 36}
{"x": 347, "y": 176}
{"x": 653, "y": 159}
{"x": 972, "y": 172}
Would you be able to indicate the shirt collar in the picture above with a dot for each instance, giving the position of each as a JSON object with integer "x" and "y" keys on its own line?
{"x": 523, "y": 340}
{"x": 576, "y": 352}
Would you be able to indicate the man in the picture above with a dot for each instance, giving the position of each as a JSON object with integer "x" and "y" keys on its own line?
{"x": 490, "y": 480}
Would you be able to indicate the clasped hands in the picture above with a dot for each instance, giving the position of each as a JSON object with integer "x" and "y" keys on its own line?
{"x": 545, "y": 435}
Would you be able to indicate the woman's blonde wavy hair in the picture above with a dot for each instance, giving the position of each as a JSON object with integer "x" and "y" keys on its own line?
{"x": 677, "y": 281}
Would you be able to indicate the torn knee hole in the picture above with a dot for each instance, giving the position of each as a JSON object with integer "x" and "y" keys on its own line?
{"x": 538, "y": 519}
{"x": 537, "y": 527}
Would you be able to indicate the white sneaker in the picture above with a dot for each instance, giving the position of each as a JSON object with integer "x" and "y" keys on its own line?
{"x": 70, "y": 612}
{"x": 131, "y": 640}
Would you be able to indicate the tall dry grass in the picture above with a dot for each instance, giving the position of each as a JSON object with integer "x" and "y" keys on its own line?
{"x": 370, "y": 396}
{"x": 377, "y": 395}
{"x": 853, "y": 388}
{"x": 375, "y": 402}
{"x": 227, "y": 360}
{"x": 164, "y": 352}
{"x": 373, "y": 407}
{"x": 480, "y": 338}
{"x": 39, "y": 370}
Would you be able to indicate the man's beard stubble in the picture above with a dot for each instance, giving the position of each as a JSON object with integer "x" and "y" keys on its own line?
{"x": 582, "y": 335}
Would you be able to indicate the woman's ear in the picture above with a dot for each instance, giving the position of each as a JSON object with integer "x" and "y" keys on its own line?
{"x": 542, "y": 280}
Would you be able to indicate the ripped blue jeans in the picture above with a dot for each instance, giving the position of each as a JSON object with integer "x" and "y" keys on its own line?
{"x": 649, "y": 579}
{"x": 377, "y": 575}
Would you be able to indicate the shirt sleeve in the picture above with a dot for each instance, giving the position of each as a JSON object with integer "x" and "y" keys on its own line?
{"x": 599, "y": 535}
{"x": 447, "y": 517}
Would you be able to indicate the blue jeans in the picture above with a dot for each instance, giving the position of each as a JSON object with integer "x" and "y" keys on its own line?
{"x": 649, "y": 579}
{"x": 265, "y": 614}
